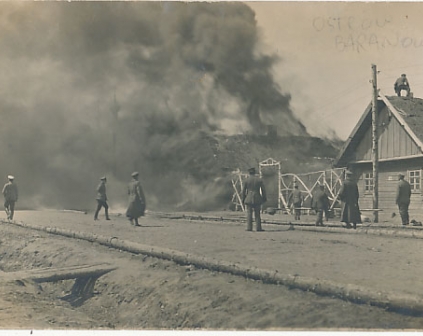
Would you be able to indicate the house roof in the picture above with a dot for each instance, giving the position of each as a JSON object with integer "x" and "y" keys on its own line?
{"x": 411, "y": 111}
{"x": 407, "y": 111}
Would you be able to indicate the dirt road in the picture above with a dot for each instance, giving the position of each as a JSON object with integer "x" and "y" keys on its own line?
{"x": 149, "y": 293}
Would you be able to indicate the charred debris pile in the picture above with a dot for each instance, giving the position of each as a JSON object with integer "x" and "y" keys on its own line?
{"x": 297, "y": 154}
{"x": 208, "y": 163}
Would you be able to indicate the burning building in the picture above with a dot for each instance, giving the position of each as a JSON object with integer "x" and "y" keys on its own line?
{"x": 178, "y": 70}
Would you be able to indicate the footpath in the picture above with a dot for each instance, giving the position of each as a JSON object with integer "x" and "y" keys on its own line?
{"x": 376, "y": 262}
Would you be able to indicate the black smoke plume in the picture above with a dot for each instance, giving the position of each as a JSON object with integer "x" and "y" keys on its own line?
{"x": 106, "y": 88}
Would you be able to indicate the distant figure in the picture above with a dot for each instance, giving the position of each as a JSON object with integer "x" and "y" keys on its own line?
{"x": 137, "y": 203}
{"x": 102, "y": 198}
{"x": 349, "y": 195}
{"x": 403, "y": 198}
{"x": 296, "y": 200}
{"x": 402, "y": 84}
{"x": 320, "y": 204}
{"x": 10, "y": 193}
{"x": 253, "y": 196}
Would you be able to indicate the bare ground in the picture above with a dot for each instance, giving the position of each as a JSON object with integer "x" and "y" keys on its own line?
{"x": 149, "y": 293}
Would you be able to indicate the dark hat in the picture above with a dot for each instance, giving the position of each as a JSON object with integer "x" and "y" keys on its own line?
{"x": 401, "y": 175}
{"x": 403, "y": 75}
{"x": 134, "y": 174}
{"x": 252, "y": 170}
{"x": 103, "y": 178}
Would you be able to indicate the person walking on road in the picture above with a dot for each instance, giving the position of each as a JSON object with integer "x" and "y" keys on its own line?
{"x": 102, "y": 199}
{"x": 349, "y": 195}
{"x": 10, "y": 193}
{"x": 296, "y": 200}
{"x": 137, "y": 203}
{"x": 320, "y": 203}
{"x": 402, "y": 198}
{"x": 253, "y": 196}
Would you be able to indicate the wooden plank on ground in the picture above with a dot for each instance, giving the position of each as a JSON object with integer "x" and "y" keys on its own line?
{"x": 62, "y": 273}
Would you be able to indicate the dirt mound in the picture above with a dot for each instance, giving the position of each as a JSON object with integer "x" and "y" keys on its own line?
{"x": 149, "y": 293}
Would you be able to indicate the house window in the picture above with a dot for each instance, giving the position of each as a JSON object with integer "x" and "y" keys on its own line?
{"x": 368, "y": 182}
{"x": 414, "y": 180}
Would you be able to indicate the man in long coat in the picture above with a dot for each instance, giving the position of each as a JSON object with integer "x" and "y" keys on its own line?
{"x": 403, "y": 199}
{"x": 349, "y": 195}
{"x": 102, "y": 198}
{"x": 137, "y": 204}
{"x": 253, "y": 196}
{"x": 320, "y": 203}
{"x": 10, "y": 193}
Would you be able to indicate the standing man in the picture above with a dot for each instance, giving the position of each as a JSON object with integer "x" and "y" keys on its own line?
{"x": 137, "y": 202}
{"x": 349, "y": 195}
{"x": 320, "y": 204}
{"x": 253, "y": 196}
{"x": 403, "y": 198}
{"x": 402, "y": 84}
{"x": 296, "y": 200}
{"x": 10, "y": 193}
{"x": 102, "y": 198}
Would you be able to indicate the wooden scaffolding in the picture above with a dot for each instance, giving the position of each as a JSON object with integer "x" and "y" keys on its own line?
{"x": 307, "y": 183}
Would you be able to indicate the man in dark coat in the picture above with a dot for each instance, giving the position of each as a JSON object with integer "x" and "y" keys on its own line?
{"x": 137, "y": 203}
{"x": 10, "y": 193}
{"x": 102, "y": 198}
{"x": 403, "y": 198}
{"x": 296, "y": 200}
{"x": 348, "y": 194}
{"x": 320, "y": 203}
{"x": 253, "y": 196}
{"x": 402, "y": 84}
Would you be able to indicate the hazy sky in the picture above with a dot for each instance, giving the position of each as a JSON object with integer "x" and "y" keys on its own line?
{"x": 327, "y": 49}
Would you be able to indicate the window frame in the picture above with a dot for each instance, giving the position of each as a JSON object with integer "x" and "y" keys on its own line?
{"x": 368, "y": 183}
{"x": 415, "y": 181}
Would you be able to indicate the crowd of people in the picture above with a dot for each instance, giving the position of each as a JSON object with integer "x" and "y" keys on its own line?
{"x": 254, "y": 196}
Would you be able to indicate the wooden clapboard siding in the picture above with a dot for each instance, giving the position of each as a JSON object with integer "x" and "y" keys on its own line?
{"x": 388, "y": 180}
{"x": 394, "y": 141}
{"x": 364, "y": 148}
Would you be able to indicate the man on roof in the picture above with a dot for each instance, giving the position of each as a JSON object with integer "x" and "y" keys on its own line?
{"x": 402, "y": 84}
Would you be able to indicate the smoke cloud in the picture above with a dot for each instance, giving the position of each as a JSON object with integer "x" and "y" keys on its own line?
{"x": 106, "y": 88}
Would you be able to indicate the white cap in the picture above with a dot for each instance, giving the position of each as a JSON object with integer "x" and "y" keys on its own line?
{"x": 10, "y": 177}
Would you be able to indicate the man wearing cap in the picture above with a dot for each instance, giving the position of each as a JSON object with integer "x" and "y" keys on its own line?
{"x": 137, "y": 203}
{"x": 402, "y": 198}
{"x": 253, "y": 196}
{"x": 296, "y": 200}
{"x": 349, "y": 195}
{"x": 320, "y": 203}
{"x": 10, "y": 193}
{"x": 102, "y": 198}
{"x": 402, "y": 84}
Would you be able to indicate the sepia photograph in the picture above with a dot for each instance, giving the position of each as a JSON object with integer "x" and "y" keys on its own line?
{"x": 211, "y": 166}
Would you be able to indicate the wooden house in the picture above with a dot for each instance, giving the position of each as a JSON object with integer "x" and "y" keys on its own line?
{"x": 400, "y": 142}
